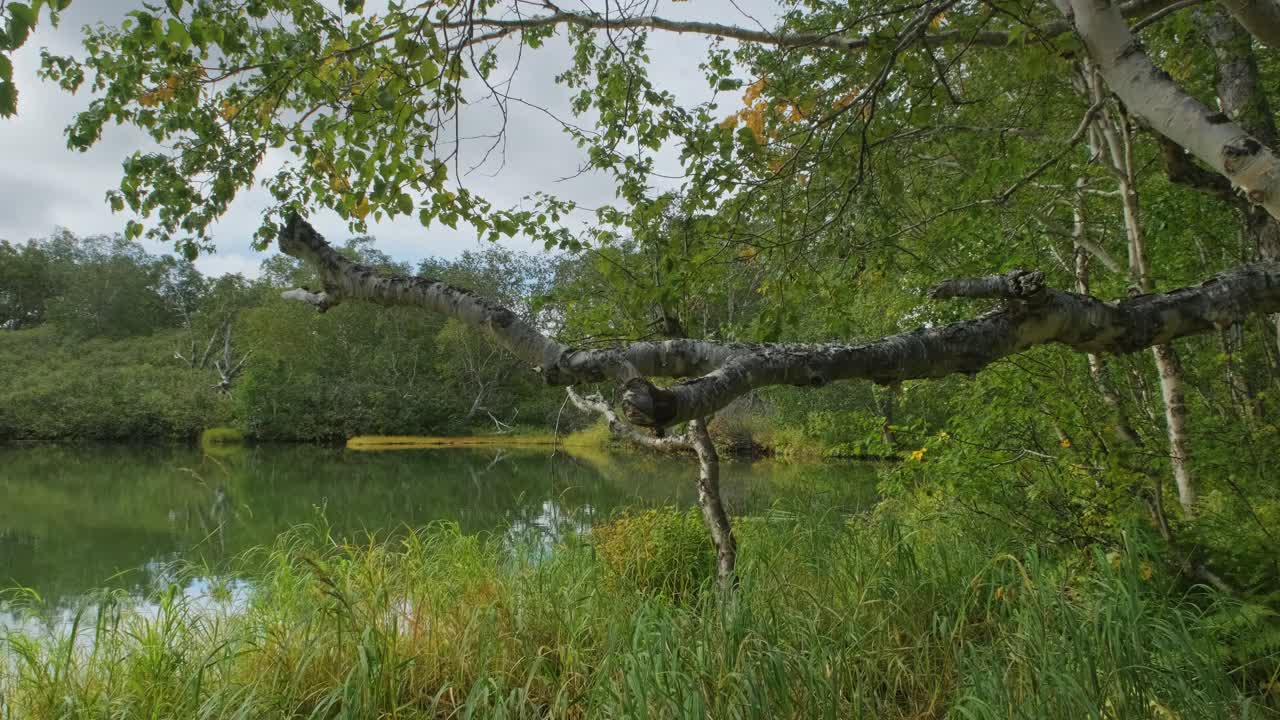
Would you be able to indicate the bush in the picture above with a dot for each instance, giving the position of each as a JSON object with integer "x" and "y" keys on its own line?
{"x": 221, "y": 436}
{"x": 101, "y": 390}
{"x": 663, "y": 552}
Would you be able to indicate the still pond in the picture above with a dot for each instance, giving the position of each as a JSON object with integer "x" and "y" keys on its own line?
{"x": 77, "y": 519}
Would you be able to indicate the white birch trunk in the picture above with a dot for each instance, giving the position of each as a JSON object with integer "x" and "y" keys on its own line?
{"x": 1153, "y": 96}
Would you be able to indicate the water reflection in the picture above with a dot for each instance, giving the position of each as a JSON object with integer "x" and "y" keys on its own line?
{"x": 74, "y": 519}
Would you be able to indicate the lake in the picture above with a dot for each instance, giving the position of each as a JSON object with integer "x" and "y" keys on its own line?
{"x": 75, "y": 519}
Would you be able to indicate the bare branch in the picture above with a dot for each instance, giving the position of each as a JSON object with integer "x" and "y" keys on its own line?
{"x": 501, "y": 27}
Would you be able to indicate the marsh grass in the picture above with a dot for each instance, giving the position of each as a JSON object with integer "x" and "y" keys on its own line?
{"x": 833, "y": 619}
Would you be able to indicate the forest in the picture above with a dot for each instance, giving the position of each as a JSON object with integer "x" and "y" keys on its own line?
{"x": 1020, "y": 259}
{"x": 106, "y": 342}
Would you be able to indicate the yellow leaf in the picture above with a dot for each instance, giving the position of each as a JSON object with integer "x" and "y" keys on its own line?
{"x": 938, "y": 20}
{"x": 229, "y": 110}
{"x": 1064, "y": 443}
{"x": 847, "y": 99}
{"x": 753, "y": 92}
{"x": 161, "y": 94}
{"x": 755, "y": 121}
{"x": 730, "y": 122}
{"x": 361, "y": 210}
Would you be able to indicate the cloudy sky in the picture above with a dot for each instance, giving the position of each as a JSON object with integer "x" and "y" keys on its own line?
{"x": 43, "y": 185}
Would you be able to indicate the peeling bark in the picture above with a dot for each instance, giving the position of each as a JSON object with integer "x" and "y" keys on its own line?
{"x": 1153, "y": 96}
{"x": 1242, "y": 98}
{"x": 713, "y": 513}
{"x": 1033, "y": 315}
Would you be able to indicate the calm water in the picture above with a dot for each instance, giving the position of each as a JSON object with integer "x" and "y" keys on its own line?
{"x": 82, "y": 518}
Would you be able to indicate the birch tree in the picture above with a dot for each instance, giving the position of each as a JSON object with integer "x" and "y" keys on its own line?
{"x": 839, "y": 137}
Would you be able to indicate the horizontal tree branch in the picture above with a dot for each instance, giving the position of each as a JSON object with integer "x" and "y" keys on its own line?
{"x": 796, "y": 40}
{"x": 719, "y": 372}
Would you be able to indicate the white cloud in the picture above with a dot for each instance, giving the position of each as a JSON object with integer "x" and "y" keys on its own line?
{"x": 215, "y": 264}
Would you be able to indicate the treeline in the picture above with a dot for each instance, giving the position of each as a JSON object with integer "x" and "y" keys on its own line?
{"x": 103, "y": 341}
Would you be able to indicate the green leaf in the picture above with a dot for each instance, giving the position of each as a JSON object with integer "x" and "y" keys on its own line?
{"x": 178, "y": 35}
{"x": 21, "y": 19}
{"x": 8, "y": 98}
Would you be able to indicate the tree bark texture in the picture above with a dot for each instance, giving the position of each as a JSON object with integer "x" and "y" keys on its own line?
{"x": 1240, "y": 92}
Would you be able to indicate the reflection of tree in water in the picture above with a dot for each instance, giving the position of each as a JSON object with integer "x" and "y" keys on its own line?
{"x": 210, "y": 517}
{"x": 82, "y": 518}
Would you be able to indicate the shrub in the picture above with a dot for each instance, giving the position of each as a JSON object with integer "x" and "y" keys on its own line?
{"x": 664, "y": 552}
{"x": 221, "y": 436}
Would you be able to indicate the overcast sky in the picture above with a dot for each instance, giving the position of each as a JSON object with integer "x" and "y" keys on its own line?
{"x": 43, "y": 185}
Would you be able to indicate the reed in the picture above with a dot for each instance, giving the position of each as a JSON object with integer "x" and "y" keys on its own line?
{"x": 864, "y": 618}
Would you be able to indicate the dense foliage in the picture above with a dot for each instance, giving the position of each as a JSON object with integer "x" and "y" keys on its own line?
{"x": 103, "y": 341}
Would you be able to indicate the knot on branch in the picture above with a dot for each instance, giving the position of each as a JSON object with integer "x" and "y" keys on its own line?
{"x": 1025, "y": 285}
{"x": 647, "y": 405}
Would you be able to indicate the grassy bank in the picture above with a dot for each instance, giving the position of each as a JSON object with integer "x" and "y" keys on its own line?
{"x": 833, "y": 619}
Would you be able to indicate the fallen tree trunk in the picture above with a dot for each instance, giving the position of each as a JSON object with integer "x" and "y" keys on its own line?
{"x": 716, "y": 373}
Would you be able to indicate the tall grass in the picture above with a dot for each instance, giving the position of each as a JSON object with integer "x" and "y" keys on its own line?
{"x": 833, "y": 619}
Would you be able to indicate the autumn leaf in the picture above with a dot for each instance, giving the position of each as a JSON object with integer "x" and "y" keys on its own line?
{"x": 755, "y": 121}
{"x": 361, "y": 210}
